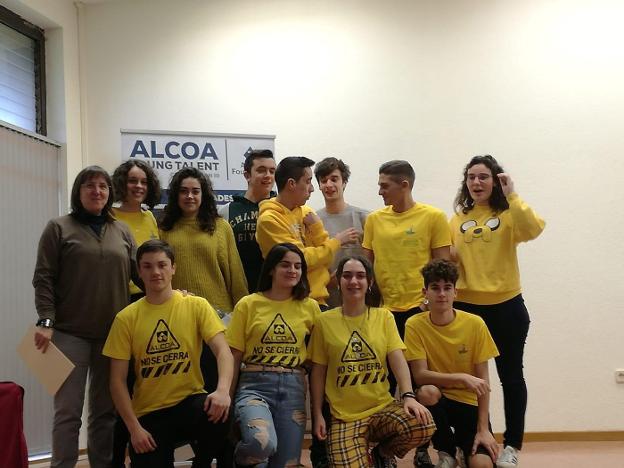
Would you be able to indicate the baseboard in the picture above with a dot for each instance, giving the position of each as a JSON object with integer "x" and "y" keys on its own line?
{"x": 579, "y": 436}
{"x": 47, "y": 458}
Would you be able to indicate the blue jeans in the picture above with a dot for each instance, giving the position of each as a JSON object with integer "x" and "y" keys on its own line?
{"x": 269, "y": 409}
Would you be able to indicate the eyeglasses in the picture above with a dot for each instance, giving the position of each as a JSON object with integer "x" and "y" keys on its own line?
{"x": 92, "y": 187}
{"x": 481, "y": 177}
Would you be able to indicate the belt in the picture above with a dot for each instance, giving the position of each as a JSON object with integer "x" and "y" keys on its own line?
{"x": 278, "y": 369}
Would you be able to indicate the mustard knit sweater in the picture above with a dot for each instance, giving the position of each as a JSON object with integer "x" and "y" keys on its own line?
{"x": 207, "y": 264}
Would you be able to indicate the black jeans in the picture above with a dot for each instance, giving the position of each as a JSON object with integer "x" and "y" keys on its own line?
{"x": 508, "y": 323}
{"x": 456, "y": 426}
{"x": 121, "y": 437}
{"x": 400, "y": 318}
{"x": 210, "y": 373}
{"x": 177, "y": 425}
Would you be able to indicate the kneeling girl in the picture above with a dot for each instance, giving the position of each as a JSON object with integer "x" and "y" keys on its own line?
{"x": 349, "y": 348}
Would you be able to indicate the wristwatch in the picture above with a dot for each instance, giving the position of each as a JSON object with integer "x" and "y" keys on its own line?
{"x": 45, "y": 323}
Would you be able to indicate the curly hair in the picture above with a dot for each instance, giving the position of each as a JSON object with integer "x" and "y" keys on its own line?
{"x": 207, "y": 214}
{"x": 498, "y": 201}
{"x": 120, "y": 182}
{"x": 439, "y": 269}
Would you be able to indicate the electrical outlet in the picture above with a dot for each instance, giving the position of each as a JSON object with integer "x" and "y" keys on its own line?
{"x": 619, "y": 375}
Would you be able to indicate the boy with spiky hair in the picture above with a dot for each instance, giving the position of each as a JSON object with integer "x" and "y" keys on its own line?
{"x": 448, "y": 351}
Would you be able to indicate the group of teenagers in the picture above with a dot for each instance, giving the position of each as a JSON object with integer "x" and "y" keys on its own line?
{"x": 213, "y": 330}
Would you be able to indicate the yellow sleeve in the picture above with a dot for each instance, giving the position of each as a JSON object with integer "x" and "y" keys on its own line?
{"x": 453, "y": 226}
{"x": 440, "y": 231}
{"x": 319, "y": 248}
{"x": 118, "y": 343}
{"x": 323, "y": 253}
{"x": 316, "y": 348}
{"x": 231, "y": 265}
{"x": 152, "y": 222}
{"x": 392, "y": 333}
{"x": 316, "y": 311}
{"x": 413, "y": 341}
{"x": 271, "y": 231}
{"x": 208, "y": 321}
{"x": 235, "y": 333}
{"x": 527, "y": 224}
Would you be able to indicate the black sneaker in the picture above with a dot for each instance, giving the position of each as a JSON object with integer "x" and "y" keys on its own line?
{"x": 422, "y": 458}
{"x": 379, "y": 461}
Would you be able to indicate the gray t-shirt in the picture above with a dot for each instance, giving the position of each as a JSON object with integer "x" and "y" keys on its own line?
{"x": 351, "y": 216}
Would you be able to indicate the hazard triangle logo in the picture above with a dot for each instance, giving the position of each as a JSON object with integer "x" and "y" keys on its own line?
{"x": 162, "y": 339}
{"x": 357, "y": 350}
{"x": 279, "y": 332}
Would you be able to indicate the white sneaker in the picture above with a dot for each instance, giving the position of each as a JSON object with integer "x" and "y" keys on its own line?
{"x": 508, "y": 458}
{"x": 445, "y": 461}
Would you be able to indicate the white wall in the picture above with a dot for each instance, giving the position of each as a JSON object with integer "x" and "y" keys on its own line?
{"x": 536, "y": 83}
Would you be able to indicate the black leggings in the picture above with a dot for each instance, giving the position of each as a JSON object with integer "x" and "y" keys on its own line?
{"x": 508, "y": 323}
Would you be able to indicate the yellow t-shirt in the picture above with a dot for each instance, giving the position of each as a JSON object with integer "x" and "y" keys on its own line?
{"x": 270, "y": 332}
{"x": 452, "y": 348}
{"x": 143, "y": 227}
{"x": 402, "y": 244}
{"x": 354, "y": 349}
{"x": 486, "y": 244}
{"x": 166, "y": 343}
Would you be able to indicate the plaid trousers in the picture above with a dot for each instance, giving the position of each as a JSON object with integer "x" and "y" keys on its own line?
{"x": 393, "y": 429}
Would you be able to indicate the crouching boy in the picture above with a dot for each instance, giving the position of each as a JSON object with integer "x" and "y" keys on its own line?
{"x": 448, "y": 352}
{"x": 163, "y": 333}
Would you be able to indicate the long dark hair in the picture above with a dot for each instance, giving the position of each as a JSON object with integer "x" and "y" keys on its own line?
{"x": 372, "y": 295}
{"x": 120, "y": 181}
{"x": 498, "y": 201}
{"x": 84, "y": 176}
{"x": 302, "y": 289}
{"x": 207, "y": 214}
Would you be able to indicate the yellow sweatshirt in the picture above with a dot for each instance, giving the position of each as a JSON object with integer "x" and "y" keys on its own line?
{"x": 277, "y": 224}
{"x": 207, "y": 264}
{"x": 486, "y": 244}
{"x": 143, "y": 227}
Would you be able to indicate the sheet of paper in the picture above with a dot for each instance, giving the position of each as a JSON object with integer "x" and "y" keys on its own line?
{"x": 50, "y": 368}
{"x": 182, "y": 454}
